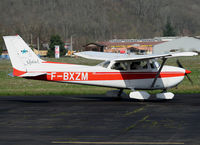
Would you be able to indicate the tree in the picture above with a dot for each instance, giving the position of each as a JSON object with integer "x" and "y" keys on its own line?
{"x": 56, "y": 40}
{"x": 169, "y": 29}
{"x": 1, "y": 45}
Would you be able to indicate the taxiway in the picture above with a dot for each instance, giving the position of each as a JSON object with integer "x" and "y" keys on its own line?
{"x": 96, "y": 119}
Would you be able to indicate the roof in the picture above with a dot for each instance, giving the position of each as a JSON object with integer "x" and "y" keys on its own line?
{"x": 98, "y": 44}
{"x": 181, "y": 44}
{"x": 130, "y": 43}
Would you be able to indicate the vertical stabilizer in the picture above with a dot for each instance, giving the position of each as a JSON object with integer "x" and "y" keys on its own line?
{"x": 21, "y": 55}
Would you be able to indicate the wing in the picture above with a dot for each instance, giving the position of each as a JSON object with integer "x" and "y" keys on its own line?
{"x": 127, "y": 57}
{"x": 145, "y": 57}
{"x": 101, "y": 55}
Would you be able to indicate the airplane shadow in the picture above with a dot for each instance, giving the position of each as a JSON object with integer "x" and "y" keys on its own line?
{"x": 77, "y": 98}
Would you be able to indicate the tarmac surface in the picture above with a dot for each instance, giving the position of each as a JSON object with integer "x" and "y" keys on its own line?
{"x": 96, "y": 119}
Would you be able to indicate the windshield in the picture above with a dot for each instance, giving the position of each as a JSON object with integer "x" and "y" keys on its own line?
{"x": 157, "y": 65}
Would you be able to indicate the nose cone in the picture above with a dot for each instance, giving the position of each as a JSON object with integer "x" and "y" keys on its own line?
{"x": 187, "y": 71}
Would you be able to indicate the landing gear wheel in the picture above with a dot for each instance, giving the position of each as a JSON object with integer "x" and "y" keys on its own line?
{"x": 165, "y": 95}
{"x": 139, "y": 95}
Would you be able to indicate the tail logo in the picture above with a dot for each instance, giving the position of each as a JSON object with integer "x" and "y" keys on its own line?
{"x": 24, "y": 51}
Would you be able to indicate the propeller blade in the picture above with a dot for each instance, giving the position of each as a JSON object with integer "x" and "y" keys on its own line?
{"x": 179, "y": 64}
{"x": 189, "y": 79}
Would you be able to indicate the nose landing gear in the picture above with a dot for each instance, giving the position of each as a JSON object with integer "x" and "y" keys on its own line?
{"x": 165, "y": 95}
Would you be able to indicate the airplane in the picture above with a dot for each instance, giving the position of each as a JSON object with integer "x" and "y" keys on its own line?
{"x": 122, "y": 71}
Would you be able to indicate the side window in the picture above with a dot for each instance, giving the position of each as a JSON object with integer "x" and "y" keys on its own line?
{"x": 144, "y": 65}
{"x": 120, "y": 66}
{"x": 138, "y": 65}
{"x": 135, "y": 65}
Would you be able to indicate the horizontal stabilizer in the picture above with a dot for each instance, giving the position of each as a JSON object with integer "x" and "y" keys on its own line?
{"x": 32, "y": 74}
{"x": 11, "y": 74}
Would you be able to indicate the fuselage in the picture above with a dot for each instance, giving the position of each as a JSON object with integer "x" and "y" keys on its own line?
{"x": 100, "y": 76}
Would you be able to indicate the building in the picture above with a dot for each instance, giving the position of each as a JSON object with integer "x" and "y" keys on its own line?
{"x": 94, "y": 47}
{"x": 167, "y": 38}
{"x": 180, "y": 44}
{"x": 133, "y": 47}
{"x": 40, "y": 52}
{"x": 4, "y": 54}
{"x": 141, "y": 46}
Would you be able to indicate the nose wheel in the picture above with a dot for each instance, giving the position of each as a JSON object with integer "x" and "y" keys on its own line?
{"x": 165, "y": 95}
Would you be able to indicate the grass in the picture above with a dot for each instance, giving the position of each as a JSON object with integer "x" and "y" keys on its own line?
{"x": 18, "y": 86}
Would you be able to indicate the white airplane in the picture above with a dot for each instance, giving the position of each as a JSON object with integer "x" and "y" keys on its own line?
{"x": 122, "y": 71}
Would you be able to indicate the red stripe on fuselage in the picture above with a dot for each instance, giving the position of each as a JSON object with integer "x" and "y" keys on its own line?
{"x": 107, "y": 76}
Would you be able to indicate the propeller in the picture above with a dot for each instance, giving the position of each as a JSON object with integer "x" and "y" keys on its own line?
{"x": 186, "y": 74}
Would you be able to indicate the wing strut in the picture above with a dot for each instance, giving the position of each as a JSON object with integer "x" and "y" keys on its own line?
{"x": 158, "y": 73}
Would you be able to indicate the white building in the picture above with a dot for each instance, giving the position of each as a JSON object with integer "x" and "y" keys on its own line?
{"x": 166, "y": 38}
{"x": 180, "y": 44}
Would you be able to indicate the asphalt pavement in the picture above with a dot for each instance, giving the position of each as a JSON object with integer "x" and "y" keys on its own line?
{"x": 97, "y": 119}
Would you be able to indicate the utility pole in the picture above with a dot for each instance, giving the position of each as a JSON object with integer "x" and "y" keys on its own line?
{"x": 38, "y": 45}
{"x": 31, "y": 40}
{"x": 71, "y": 47}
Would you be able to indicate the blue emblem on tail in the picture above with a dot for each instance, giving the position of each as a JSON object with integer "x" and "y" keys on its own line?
{"x": 24, "y": 51}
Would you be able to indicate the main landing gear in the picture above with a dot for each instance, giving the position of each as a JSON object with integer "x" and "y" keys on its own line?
{"x": 117, "y": 93}
{"x": 140, "y": 95}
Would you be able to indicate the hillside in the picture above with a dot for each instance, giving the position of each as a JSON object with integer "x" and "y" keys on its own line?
{"x": 91, "y": 20}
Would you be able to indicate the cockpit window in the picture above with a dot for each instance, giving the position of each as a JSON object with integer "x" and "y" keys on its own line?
{"x": 104, "y": 64}
{"x": 120, "y": 66}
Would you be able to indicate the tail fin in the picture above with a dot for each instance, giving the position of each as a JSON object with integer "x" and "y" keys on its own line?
{"x": 20, "y": 54}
